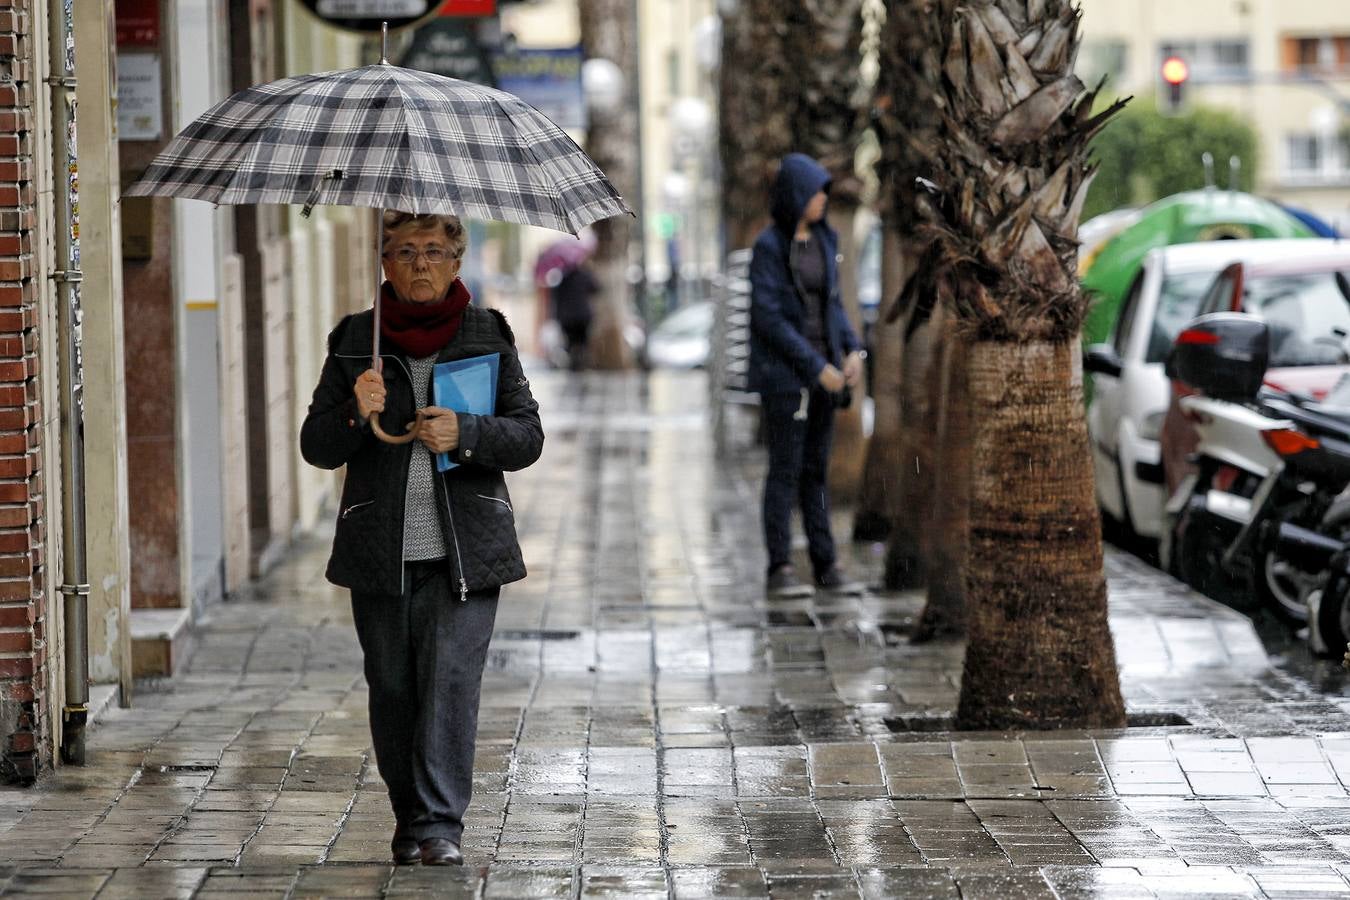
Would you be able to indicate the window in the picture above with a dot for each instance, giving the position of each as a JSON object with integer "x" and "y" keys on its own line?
{"x": 1304, "y": 154}
{"x": 1210, "y": 60}
{"x": 1316, "y": 55}
{"x": 1317, "y": 157}
{"x": 1102, "y": 59}
{"x": 1179, "y": 302}
{"x": 1308, "y": 315}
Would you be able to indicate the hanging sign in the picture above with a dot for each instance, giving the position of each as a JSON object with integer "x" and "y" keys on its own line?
{"x": 469, "y": 8}
{"x": 137, "y": 23}
{"x": 367, "y": 15}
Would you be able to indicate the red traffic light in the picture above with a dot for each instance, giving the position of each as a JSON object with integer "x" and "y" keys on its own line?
{"x": 1175, "y": 70}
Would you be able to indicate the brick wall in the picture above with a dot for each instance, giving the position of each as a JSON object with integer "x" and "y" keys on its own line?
{"x": 23, "y": 618}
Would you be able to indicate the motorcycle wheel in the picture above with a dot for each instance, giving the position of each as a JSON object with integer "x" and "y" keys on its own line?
{"x": 1281, "y": 587}
{"x": 1196, "y": 555}
{"x": 1333, "y": 617}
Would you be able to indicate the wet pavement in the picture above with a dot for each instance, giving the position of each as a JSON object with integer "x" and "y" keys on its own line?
{"x": 653, "y": 727}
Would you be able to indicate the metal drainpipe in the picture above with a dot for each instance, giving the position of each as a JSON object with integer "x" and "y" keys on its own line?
{"x": 75, "y": 587}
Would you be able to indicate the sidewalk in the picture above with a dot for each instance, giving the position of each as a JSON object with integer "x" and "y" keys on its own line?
{"x": 652, "y": 727}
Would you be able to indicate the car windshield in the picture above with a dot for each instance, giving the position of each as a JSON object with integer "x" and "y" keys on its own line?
{"x": 1308, "y": 315}
{"x": 1178, "y": 302}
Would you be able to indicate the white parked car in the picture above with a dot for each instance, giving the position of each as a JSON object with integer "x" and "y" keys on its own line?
{"x": 683, "y": 340}
{"x": 1130, "y": 392}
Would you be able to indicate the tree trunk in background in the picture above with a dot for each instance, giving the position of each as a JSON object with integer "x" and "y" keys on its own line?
{"x": 880, "y": 492}
{"x": 1010, "y": 157}
{"x": 903, "y": 125}
{"x": 919, "y": 378}
{"x": 771, "y": 102}
{"x": 947, "y": 535}
{"x": 754, "y": 114}
{"x": 1040, "y": 652}
{"x": 608, "y": 32}
{"x": 849, "y": 452}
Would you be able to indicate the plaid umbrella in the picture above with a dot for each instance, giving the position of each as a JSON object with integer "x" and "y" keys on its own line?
{"x": 384, "y": 136}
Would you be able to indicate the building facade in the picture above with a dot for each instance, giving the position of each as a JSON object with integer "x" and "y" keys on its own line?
{"x": 202, "y": 330}
{"x": 1283, "y": 65}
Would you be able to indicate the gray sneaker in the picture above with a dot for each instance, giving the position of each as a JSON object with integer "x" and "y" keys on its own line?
{"x": 784, "y": 583}
{"x": 836, "y": 582}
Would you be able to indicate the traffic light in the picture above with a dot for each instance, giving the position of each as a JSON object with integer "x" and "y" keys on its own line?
{"x": 1174, "y": 74}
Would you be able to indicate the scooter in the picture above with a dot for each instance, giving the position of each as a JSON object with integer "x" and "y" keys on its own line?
{"x": 1260, "y": 509}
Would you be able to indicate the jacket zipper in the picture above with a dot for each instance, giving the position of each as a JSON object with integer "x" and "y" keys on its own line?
{"x": 355, "y": 506}
{"x": 496, "y": 500}
{"x": 454, "y": 536}
{"x": 402, "y": 564}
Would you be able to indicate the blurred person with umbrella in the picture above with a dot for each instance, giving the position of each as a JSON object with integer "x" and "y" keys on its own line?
{"x": 425, "y": 553}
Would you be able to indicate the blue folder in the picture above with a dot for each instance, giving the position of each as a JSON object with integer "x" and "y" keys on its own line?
{"x": 467, "y": 386}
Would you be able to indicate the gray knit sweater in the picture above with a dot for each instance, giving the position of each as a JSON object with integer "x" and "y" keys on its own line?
{"x": 422, "y": 535}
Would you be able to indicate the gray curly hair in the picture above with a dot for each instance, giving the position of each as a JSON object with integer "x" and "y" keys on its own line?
{"x": 455, "y": 234}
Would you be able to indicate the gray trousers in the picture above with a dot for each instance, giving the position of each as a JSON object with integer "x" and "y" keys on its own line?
{"x": 424, "y": 654}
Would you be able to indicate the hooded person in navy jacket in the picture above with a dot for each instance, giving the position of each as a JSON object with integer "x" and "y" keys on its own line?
{"x": 804, "y": 356}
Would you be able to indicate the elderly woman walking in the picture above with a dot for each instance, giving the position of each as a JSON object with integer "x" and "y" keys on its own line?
{"x": 424, "y": 553}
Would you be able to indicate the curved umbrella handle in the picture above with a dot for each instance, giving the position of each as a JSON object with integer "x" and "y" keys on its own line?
{"x": 414, "y": 428}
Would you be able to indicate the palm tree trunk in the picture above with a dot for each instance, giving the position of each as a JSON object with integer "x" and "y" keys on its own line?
{"x": 879, "y": 494}
{"x": 921, "y": 368}
{"x": 1039, "y": 652}
{"x": 947, "y": 535}
{"x": 849, "y": 452}
{"x": 608, "y": 32}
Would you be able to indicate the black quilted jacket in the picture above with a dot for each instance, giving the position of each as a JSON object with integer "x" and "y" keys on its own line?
{"x": 476, "y": 513}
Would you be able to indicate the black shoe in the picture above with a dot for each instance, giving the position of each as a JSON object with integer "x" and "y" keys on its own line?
{"x": 406, "y": 850}
{"x": 836, "y": 582}
{"x": 784, "y": 583}
{"x": 441, "y": 852}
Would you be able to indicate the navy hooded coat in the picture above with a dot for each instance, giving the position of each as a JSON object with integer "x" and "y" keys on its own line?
{"x": 781, "y": 359}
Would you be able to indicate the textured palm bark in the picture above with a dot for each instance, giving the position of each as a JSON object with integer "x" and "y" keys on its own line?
{"x": 904, "y": 123}
{"x": 947, "y": 538}
{"x": 608, "y": 32}
{"x": 1010, "y": 158}
{"x": 921, "y": 368}
{"x": 1039, "y": 652}
{"x": 849, "y": 452}
{"x": 773, "y": 103}
{"x": 878, "y": 496}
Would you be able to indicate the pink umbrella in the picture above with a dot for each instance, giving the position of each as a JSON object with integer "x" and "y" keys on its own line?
{"x": 563, "y": 256}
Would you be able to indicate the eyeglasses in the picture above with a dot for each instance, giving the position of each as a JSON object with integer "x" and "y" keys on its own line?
{"x": 434, "y": 255}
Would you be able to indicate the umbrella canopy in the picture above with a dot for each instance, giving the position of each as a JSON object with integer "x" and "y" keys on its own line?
{"x": 1203, "y": 215}
{"x": 563, "y": 256}
{"x": 384, "y": 136}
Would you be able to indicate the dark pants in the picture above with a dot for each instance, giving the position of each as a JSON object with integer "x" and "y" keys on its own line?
{"x": 799, "y": 454}
{"x": 424, "y": 655}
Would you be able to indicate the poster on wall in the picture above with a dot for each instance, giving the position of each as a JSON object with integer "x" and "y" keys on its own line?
{"x": 140, "y": 96}
{"x": 547, "y": 79}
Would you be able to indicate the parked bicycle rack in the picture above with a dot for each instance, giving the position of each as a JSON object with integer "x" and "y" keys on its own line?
{"x": 731, "y": 398}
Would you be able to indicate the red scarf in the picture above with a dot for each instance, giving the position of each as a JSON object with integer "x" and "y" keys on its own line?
{"x": 421, "y": 329}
